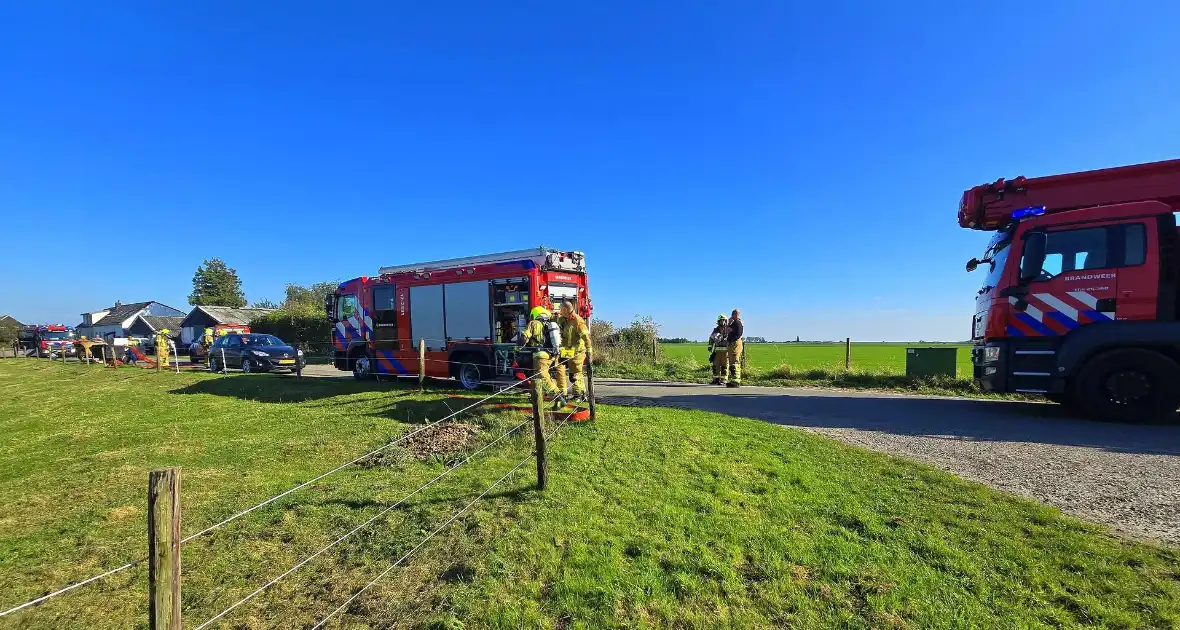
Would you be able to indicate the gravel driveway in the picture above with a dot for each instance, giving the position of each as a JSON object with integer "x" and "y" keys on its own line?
{"x": 1123, "y": 476}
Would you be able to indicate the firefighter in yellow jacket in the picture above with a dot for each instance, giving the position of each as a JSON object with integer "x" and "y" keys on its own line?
{"x": 539, "y": 335}
{"x": 719, "y": 350}
{"x": 575, "y": 343}
{"x": 162, "y": 347}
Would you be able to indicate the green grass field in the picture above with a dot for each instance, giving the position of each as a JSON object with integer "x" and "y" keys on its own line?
{"x": 653, "y": 518}
{"x": 879, "y": 357}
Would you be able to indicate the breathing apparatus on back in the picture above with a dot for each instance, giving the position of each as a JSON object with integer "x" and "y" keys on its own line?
{"x": 551, "y": 339}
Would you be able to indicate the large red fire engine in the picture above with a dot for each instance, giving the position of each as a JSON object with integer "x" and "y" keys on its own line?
{"x": 1080, "y": 298}
{"x": 468, "y": 311}
{"x": 51, "y": 339}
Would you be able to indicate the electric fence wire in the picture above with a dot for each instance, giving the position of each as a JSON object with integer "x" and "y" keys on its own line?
{"x": 358, "y": 528}
{"x": 438, "y": 529}
{"x": 242, "y": 513}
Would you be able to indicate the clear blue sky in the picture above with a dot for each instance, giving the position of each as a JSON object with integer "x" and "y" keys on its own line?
{"x": 802, "y": 161}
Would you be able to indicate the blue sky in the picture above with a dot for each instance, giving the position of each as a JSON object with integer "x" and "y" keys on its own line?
{"x": 800, "y": 161}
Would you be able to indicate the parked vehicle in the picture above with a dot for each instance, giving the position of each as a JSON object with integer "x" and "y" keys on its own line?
{"x": 466, "y": 311}
{"x": 48, "y": 340}
{"x": 254, "y": 352}
{"x": 1081, "y": 301}
{"x": 199, "y": 354}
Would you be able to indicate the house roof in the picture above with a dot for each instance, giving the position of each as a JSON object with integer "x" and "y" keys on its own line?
{"x": 120, "y": 313}
{"x": 10, "y": 317}
{"x": 229, "y": 314}
{"x": 158, "y": 323}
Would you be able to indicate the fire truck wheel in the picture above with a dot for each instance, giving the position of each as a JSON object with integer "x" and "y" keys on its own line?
{"x": 1129, "y": 385}
{"x": 469, "y": 376}
{"x": 362, "y": 369}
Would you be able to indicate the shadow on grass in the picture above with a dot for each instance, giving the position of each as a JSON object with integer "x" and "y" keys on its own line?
{"x": 276, "y": 388}
{"x": 938, "y": 418}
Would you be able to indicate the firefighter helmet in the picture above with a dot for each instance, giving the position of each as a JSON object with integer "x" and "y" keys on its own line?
{"x": 721, "y": 318}
{"x": 539, "y": 312}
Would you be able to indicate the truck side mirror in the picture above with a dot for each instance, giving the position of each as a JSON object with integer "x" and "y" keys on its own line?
{"x": 972, "y": 265}
{"x": 1035, "y": 245}
{"x": 330, "y": 307}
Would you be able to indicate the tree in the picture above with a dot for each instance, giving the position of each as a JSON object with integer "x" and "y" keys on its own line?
{"x": 271, "y": 304}
{"x": 308, "y": 299}
{"x": 9, "y": 331}
{"x": 214, "y": 284}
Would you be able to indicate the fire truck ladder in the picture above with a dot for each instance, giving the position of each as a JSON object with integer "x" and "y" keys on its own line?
{"x": 536, "y": 253}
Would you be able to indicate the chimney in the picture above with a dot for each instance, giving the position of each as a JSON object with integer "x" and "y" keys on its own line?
{"x": 118, "y": 304}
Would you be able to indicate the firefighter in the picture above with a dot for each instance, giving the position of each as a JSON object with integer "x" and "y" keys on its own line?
{"x": 575, "y": 343}
{"x": 207, "y": 338}
{"x": 162, "y": 348}
{"x": 734, "y": 337}
{"x": 542, "y": 337}
{"x": 719, "y": 350}
{"x": 130, "y": 357}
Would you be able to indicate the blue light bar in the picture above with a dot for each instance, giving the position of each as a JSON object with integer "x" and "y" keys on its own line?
{"x": 1031, "y": 211}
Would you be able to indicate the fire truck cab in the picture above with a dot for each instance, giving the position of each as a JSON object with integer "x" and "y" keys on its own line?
{"x": 467, "y": 312}
{"x": 1081, "y": 288}
{"x": 49, "y": 340}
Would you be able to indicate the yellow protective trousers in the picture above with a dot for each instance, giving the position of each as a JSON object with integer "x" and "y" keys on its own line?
{"x": 735, "y": 360}
{"x": 575, "y": 366}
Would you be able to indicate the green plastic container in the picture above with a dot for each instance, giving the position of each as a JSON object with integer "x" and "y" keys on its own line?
{"x": 925, "y": 362}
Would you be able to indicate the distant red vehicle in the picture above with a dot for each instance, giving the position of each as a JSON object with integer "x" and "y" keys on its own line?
{"x": 51, "y": 339}
{"x": 468, "y": 311}
{"x": 1081, "y": 301}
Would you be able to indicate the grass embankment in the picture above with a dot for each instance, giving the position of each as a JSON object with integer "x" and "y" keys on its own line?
{"x": 874, "y": 366}
{"x": 654, "y": 517}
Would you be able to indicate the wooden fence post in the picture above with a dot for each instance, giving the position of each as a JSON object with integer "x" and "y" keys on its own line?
{"x": 848, "y": 353}
{"x": 421, "y": 364}
{"x": 538, "y": 400}
{"x": 164, "y": 549}
{"x": 655, "y": 347}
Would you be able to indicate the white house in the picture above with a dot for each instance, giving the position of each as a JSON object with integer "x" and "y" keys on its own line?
{"x": 116, "y": 319}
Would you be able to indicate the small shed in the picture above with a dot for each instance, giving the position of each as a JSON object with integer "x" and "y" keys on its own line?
{"x": 202, "y": 317}
{"x": 149, "y": 325}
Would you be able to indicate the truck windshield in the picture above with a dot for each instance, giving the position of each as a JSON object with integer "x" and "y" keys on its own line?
{"x": 55, "y": 335}
{"x": 997, "y": 251}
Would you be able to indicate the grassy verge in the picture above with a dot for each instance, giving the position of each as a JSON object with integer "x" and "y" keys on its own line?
{"x": 687, "y": 369}
{"x": 654, "y": 517}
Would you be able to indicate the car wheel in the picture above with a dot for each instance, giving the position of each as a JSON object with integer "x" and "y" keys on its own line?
{"x": 469, "y": 376}
{"x": 362, "y": 368}
{"x": 212, "y": 365}
{"x": 245, "y": 365}
{"x": 1129, "y": 385}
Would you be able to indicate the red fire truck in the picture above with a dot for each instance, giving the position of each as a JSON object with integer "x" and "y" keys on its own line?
{"x": 1080, "y": 298}
{"x": 468, "y": 311}
{"x": 51, "y": 339}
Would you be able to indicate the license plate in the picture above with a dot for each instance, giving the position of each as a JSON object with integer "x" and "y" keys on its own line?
{"x": 286, "y": 361}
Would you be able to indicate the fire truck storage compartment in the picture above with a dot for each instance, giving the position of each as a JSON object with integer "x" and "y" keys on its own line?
{"x": 468, "y": 311}
{"x": 426, "y": 316}
{"x": 510, "y": 301}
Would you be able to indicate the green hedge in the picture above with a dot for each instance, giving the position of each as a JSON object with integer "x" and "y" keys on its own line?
{"x": 294, "y": 327}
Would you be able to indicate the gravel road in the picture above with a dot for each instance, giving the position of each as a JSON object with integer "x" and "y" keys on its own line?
{"x": 1123, "y": 476}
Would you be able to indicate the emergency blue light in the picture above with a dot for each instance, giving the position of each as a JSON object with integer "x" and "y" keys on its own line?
{"x": 1031, "y": 211}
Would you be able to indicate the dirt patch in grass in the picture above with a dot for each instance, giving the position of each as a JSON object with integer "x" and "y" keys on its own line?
{"x": 444, "y": 440}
